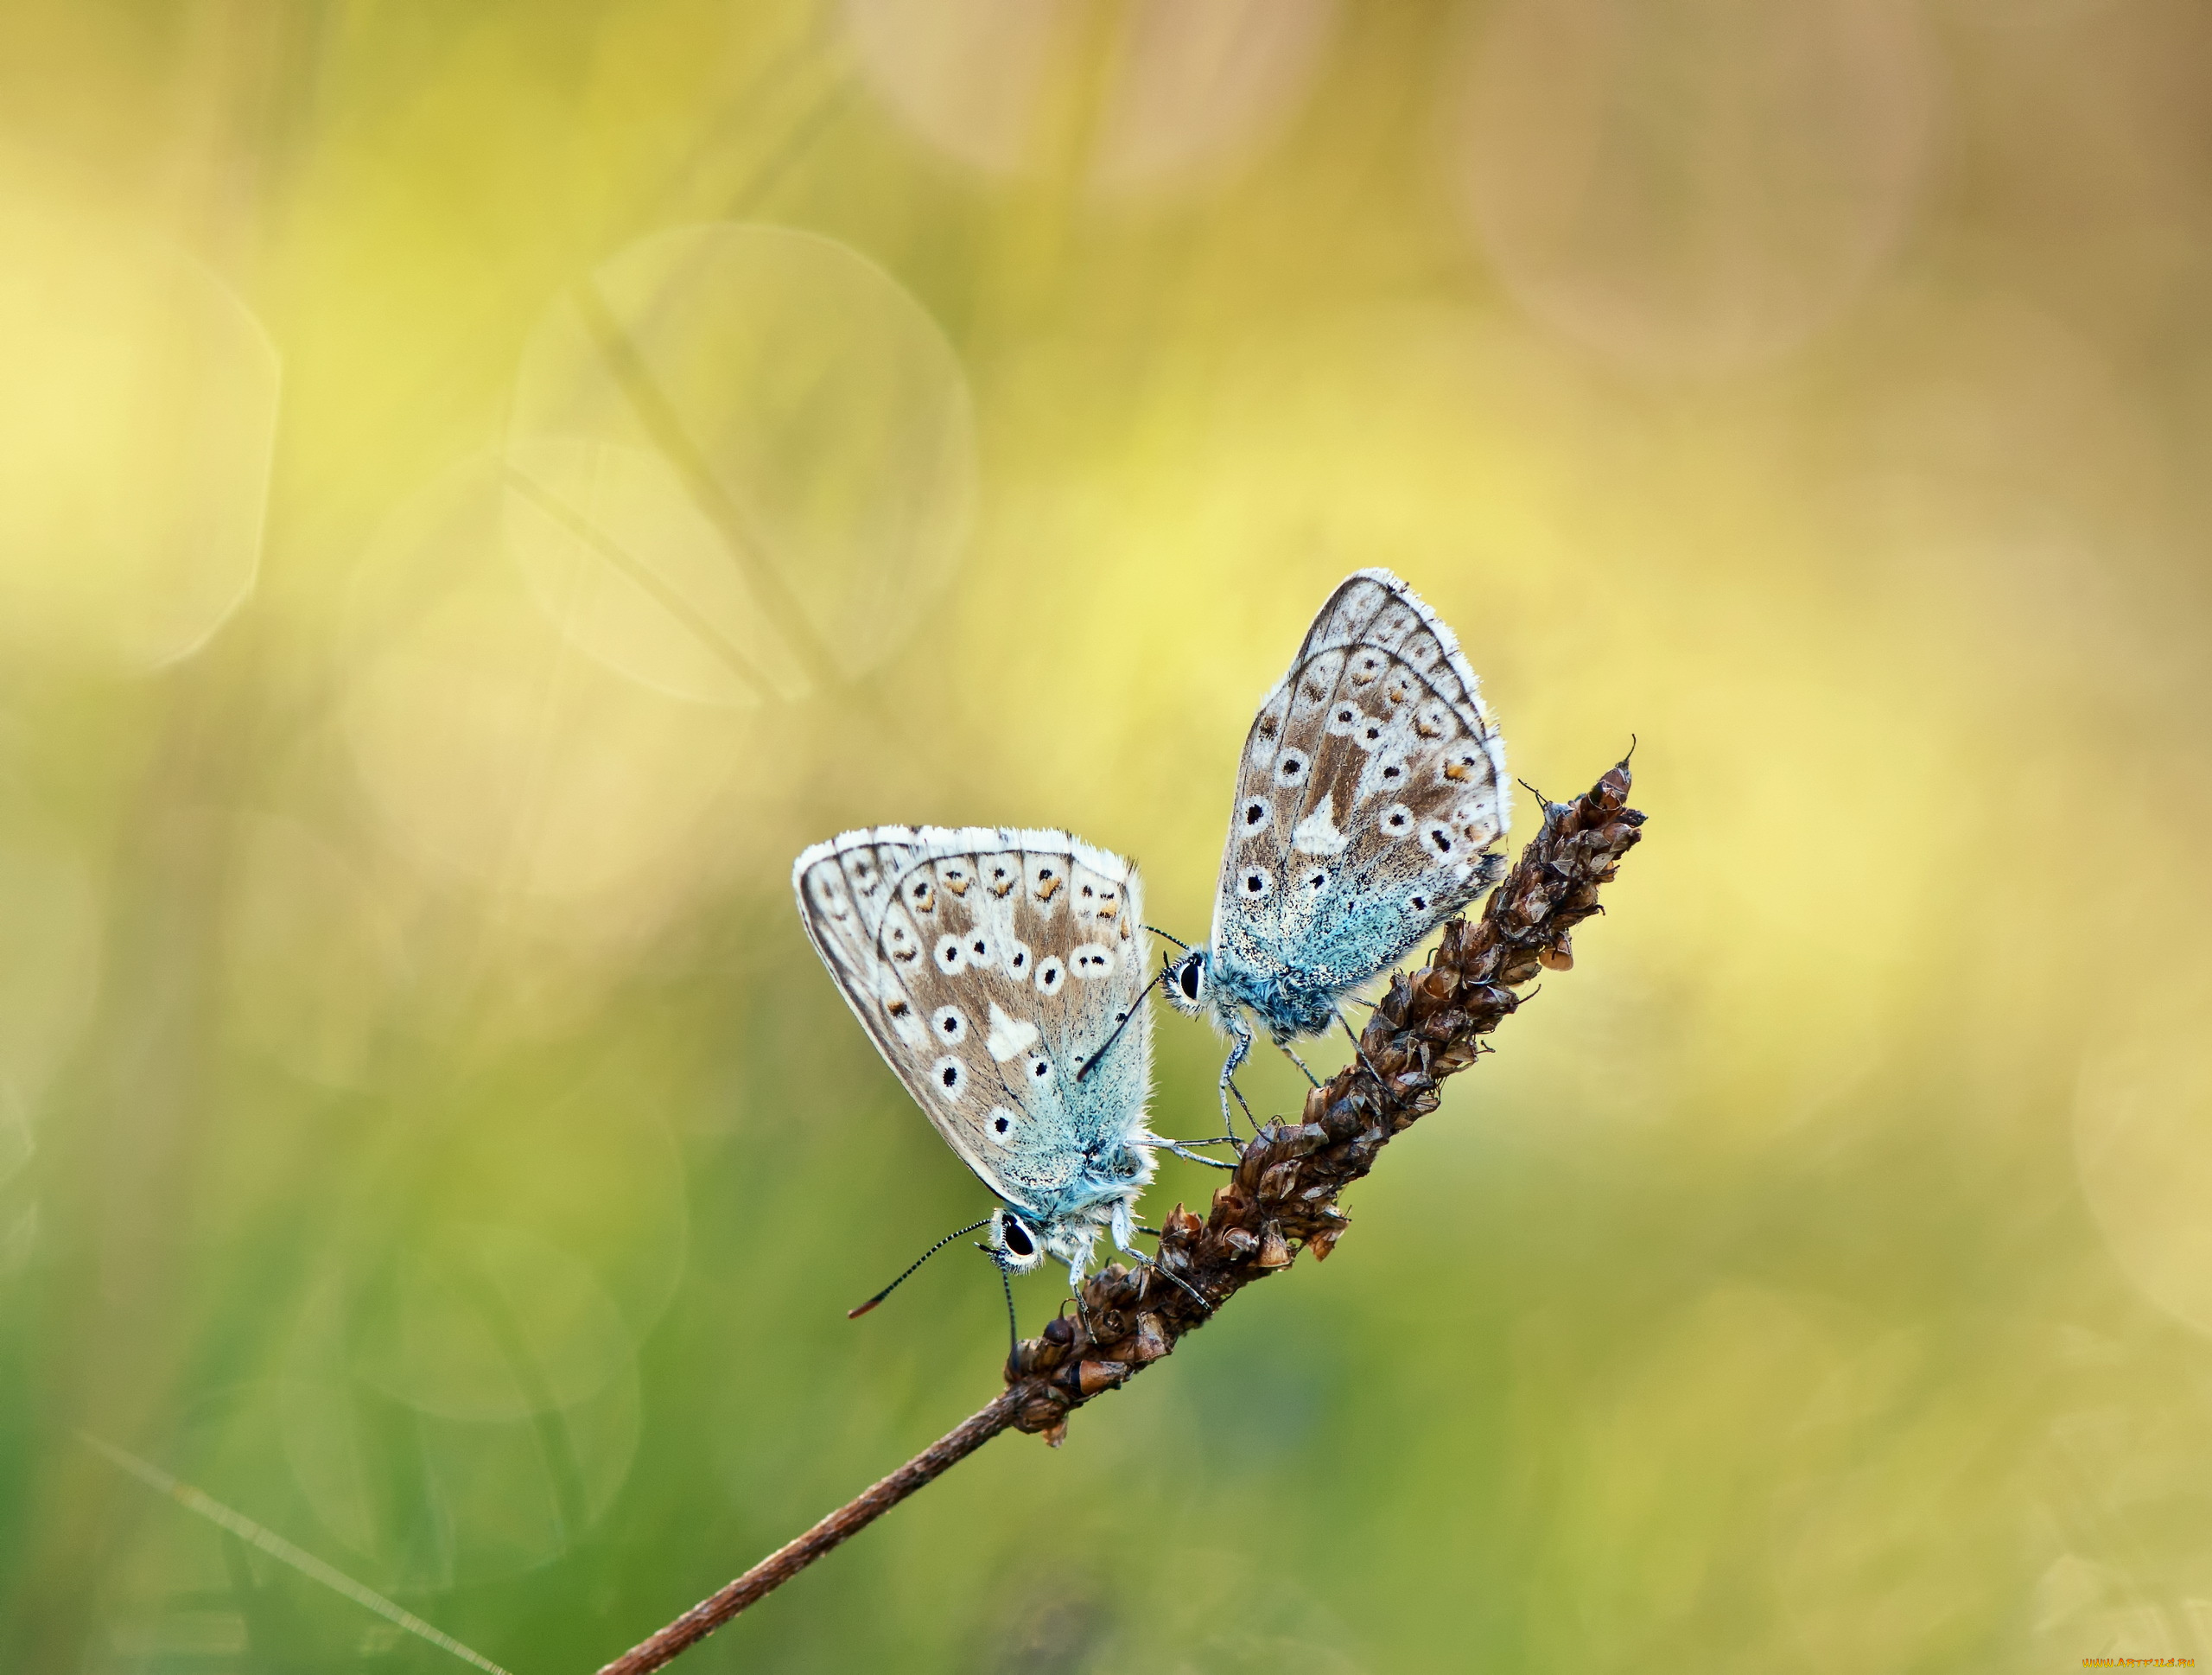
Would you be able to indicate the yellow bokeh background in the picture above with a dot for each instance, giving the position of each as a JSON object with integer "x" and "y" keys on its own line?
{"x": 482, "y": 487}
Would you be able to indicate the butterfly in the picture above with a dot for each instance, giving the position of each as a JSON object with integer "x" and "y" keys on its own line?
{"x": 1000, "y": 973}
{"x": 1372, "y": 788}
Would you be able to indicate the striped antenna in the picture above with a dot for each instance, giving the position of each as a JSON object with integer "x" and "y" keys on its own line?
{"x": 854, "y": 1314}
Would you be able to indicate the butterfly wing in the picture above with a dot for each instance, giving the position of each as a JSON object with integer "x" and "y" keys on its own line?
{"x": 989, "y": 965}
{"x": 1372, "y": 782}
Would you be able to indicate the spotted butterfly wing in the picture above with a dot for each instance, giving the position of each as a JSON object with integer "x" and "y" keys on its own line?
{"x": 989, "y": 966}
{"x": 1373, "y": 783}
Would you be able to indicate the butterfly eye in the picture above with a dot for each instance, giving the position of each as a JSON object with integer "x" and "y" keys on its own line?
{"x": 1016, "y": 1238}
{"x": 1187, "y": 978}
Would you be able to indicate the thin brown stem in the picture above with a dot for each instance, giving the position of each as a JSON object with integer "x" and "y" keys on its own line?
{"x": 1281, "y": 1199}
{"x": 788, "y": 1561}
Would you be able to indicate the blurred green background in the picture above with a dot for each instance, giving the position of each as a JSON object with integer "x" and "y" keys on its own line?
{"x": 481, "y": 487}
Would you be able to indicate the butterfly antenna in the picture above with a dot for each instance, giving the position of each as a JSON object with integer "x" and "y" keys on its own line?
{"x": 854, "y": 1314}
{"x": 1013, "y": 1330}
{"x": 1186, "y": 946}
{"x": 1091, "y": 1063}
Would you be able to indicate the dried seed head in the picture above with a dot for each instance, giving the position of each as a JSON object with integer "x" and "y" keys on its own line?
{"x": 1429, "y": 1024}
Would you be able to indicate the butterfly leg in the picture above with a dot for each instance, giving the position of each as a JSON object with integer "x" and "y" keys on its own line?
{"x": 1240, "y": 1048}
{"x": 1300, "y": 1062}
{"x": 1182, "y": 1148}
{"x": 1158, "y": 1266}
{"x": 1357, "y": 1048}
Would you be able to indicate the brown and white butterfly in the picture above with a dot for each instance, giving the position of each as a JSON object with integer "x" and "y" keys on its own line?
{"x": 1371, "y": 788}
{"x": 991, "y": 966}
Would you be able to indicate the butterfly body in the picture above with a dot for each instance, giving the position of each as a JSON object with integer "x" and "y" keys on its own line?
{"x": 1372, "y": 788}
{"x": 991, "y": 965}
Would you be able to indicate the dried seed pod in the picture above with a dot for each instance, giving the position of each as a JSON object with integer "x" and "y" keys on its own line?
{"x": 1280, "y": 1182}
{"x": 1241, "y": 1243}
{"x": 1150, "y": 1342}
{"x": 1274, "y": 1250}
{"x": 1095, "y": 1376}
{"x": 1181, "y": 1223}
{"x": 1559, "y": 956}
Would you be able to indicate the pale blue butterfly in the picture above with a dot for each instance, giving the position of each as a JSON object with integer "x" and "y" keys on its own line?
{"x": 1371, "y": 788}
{"x": 991, "y": 967}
